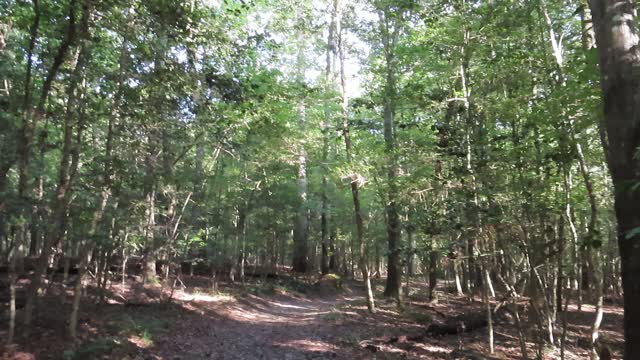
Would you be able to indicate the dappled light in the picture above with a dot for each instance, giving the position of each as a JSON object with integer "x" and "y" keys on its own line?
{"x": 308, "y": 345}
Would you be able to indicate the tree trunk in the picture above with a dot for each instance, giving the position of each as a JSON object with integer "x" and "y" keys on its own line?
{"x": 619, "y": 58}
{"x": 84, "y": 255}
{"x": 456, "y": 272}
{"x": 390, "y": 27}
{"x": 487, "y": 304}
{"x": 560, "y": 264}
{"x": 411, "y": 257}
{"x": 38, "y": 212}
{"x": 243, "y": 246}
{"x": 301, "y": 228}
{"x": 58, "y": 219}
{"x": 150, "y": 271}
{"x": 24, "y": 151}
{"x": 329, "y": 86}
{"x": 236, "y": 256}
{"x": 513, "y": 295}
{"x": 8, "y": 147}
{"x": 433, "y": 270}
{"x": 354, "y": 178}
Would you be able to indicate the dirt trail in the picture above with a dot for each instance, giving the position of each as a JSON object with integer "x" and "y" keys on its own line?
{"x": 299, "y": 327}
{"x": 280, "y": 327}
{"x": 270, "y": 321}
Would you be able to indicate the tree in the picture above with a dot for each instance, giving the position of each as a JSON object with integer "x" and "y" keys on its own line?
{"x": 301, "y": 230}
{"x": 390, "y": 27}
{"x": 617, "y": 42}
{"x": 354, "y": 178}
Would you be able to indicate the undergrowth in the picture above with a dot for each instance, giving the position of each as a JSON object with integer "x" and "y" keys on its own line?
{"x": 120, "y": 331}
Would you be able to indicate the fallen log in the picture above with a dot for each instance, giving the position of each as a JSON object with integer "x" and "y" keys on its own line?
{"x": 457, "y": 325}
{"x": 462, "y": 323}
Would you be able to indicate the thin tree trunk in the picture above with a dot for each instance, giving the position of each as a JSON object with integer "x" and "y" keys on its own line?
{"x": 456, "y": 273}
{"x": 243, "y": 251}
{"x": 354, "y": 178}
{"x": 9, "y": 157}
{"x": 390, "y": 28}
{"x": 594, "y": 240}
{"x": 38, "y": 213}
{"x": 329, "y": 86}
{"x": 13, "y": 277}
{"x": 513, "y": 295}
{"x": 24, "y": 150}
{"x": 487, "y": 304}
{"x": 563, "y": 338}
{"x": 240, "y": 223}
{"x": 411, "y": 257}
{"x": 84, "y": 260}
{"x": 433, "y": 267}
{"x": 301, "y": 229}
{"x": 84, "y": 255}
{"x": 560, "y": 263}
{"x": 539, "y": 284}
{"x": 150, "y": 271}
{"x": 593, "y": 253}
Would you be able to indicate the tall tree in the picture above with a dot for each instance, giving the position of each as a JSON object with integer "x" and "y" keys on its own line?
{"x": 390, "y": 25}
{"x": 619, "y": 58}
{"x": 301, "y": 229}
{"x": 354, "y": 178}
{"x": 57, "y": 222}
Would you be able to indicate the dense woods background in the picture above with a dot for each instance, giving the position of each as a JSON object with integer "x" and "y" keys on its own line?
{"x": 458, "y": 141}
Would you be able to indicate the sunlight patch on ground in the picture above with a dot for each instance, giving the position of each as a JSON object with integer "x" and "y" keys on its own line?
{"x": 240, "y": 314}
{"x": 609, "y": 336}
{"x": 507, "y": 336}
{"x": 590, "y": 308}
{"x": 381, "y": 310}
{"x": 140, "y": 341}
{"x": 308, "y": 345}
{"x": 391, "y": 349}
{"x": 350, "y": 313}
{"x": 203, "y": 297}
{"x": 614, "y": 310}
{"x": 288, "y": 306}
{"x": 432, "y": 348}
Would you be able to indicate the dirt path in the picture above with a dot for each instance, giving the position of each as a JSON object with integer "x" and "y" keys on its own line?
{"x": 280, "y": 327}
{"x": 273, "y": 321}
{"x": 299, "y": 327}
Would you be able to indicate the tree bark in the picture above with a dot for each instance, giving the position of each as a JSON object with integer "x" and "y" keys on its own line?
{"x": 301, "y": 228}
{"x": 619, "y": 59}
{"x": 390, "y": 28}
{"x": 411, "y": 256}
{"x": 487, "y": 304}
{"x": 354, "y": 178}
{"x": 150, "y": 214}
{"x": 107, "y": 179}
{"x": 329, "y": 87}
{"x": 433, "y": 267}
{"x": 62, "y": 197}
{"x": 7, "y": 163}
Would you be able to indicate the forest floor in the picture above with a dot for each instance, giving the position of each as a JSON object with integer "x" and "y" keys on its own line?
{"x": 278, "y": 319}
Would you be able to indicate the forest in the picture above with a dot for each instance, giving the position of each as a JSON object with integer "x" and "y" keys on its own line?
{"x": 298, "y": 179}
